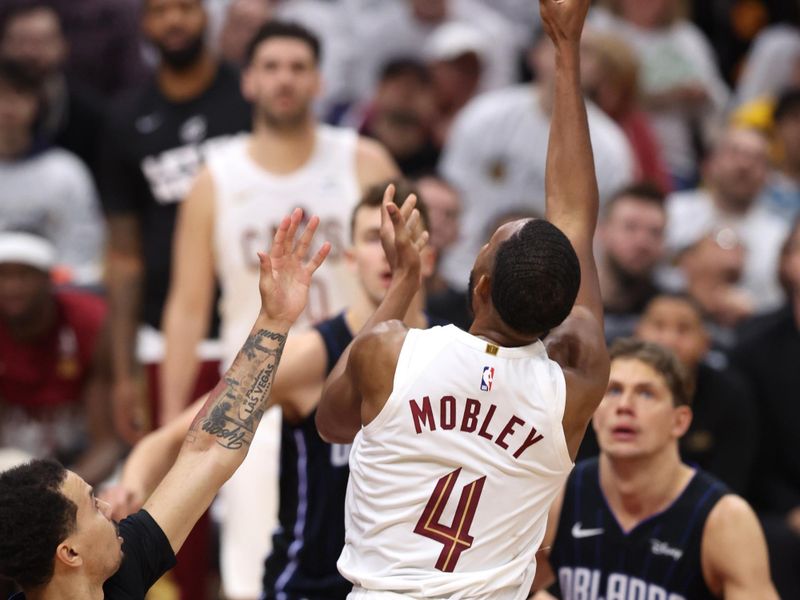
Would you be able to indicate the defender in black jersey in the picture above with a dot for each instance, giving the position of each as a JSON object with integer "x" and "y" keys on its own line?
{"x": 636, "y": 523}
{"x": 313, "y": 478}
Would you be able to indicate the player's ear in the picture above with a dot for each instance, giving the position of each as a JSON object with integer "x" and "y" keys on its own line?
{"x": 67, "y": 555}
{"x": 682, "y": 420}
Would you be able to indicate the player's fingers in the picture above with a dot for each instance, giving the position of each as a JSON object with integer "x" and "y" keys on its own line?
{"x": 308, "y": 235}
{"x": 388, "y": 194}
{"x": 279, "y": 241}
{"x": 398, "y": 224}
{"x": 318, "y": 258}
{"x": 414, "y": 224}
{"x": 294, "y": 223}
{"x": 421, "y": 241}
{"x": 409, "y": 206}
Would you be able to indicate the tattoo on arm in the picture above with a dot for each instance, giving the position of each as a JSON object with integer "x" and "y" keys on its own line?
{"x": 235, "y": 407}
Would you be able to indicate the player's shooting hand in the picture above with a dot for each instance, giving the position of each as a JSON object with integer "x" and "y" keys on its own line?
{"x": 403, "y": 236}
{"x": 563, "y": 19}
{"x": 122, "y": 500}
{"x": 285, "y": 273}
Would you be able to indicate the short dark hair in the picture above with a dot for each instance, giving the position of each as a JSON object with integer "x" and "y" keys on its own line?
{"x": 680, "y": 296}
{"x": 661, "y": 360}
{"x": 35, "y": 517}
{"x": 399, "y": 67}
{"x": 788, "y": 103}
{"x": 373, "y": 198}
{"x": 644, "y": 191}
{"x": 535, "y": 279}
{"x": 284, "y": 29}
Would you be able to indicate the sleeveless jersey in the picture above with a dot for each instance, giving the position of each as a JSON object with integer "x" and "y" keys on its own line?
{"x": 451, "y": 483}
{"x": 659, "y": 559}
{"x": 313, "y": 483}
{"x": 249, "y": 205}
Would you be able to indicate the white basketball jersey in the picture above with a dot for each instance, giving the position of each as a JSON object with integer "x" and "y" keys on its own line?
{"x": 451, "y": 483}
{"x": 250, "y": 203}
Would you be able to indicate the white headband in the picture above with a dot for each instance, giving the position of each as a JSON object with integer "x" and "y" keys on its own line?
{"x": 27, "y": 249}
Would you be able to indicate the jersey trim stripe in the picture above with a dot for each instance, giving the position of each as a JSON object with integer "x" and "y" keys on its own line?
{"x": 300, "y": 523}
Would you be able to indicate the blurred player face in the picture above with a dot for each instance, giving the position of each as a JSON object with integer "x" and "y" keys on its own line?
{"x": 242, "y": 21}
{"x": 95, "y": 540}
{"x": 282, "y": 81}
{"x": 177, "y": 28}
{"x": 633, "y": 236}
{"x": 18, "y": 110}
{"x": 34, "y": 39}
{"x": 637, "y": 418}
{"x": 738, "y": 167}
{"x": 675, "y": 324}
{"x": 24, "y": 292}
{"x": 368, "y": 258}
{"x": 444, "y": 210}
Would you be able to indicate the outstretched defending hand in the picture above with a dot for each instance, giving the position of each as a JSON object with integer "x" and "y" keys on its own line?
{"x": 563, "y": 19}
{"x": 285, "y": 278}
{"x": 402, "y": 235}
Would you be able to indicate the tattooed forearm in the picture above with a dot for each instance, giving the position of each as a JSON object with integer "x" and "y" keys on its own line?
{"x": 235, "y": 407}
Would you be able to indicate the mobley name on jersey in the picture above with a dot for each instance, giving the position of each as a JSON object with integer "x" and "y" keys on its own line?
{"x": 475, "y": 418}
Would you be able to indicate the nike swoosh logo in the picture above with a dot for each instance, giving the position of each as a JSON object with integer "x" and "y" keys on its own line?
{"x": 578, "y": 532}
{"x": 148, "y": 123}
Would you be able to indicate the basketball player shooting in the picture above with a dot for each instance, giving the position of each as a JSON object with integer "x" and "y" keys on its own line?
{"x": 461, "y": 440}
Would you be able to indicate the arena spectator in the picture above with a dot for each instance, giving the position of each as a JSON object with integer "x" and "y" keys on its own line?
{"x": 631, "y": 235}
{"x": 682, "y": 88}
{"x": 31, "y": 35}
{"x": 783, "y": 187}
{"x": 383, "y": 31}
{"x": 767, "y": 355}
{"x": 735, "y": 176}
{"x": 47, "y": 190}
{"x": 401, "y": 115}
{"x": 444, "y": 215}
{"x": 53, "y": 390}
{"x": 243, "y": 18}
{"x": 496, "y": 154}
{"x": 456, "y": 55}
{"x": 610, "y": 76}
{"x": 722, "y": 438}
{"x": 155, "y": 142}
{"x": 105, "y": 44}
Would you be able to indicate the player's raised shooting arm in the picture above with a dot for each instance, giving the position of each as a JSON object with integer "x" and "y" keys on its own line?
{"x": 571, "y": 184}
{"x": 220, "y": 435}
{"x": 366, "y": 368}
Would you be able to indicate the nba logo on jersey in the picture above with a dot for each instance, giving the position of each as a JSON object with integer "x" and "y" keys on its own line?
{"x": 487, "y": 379}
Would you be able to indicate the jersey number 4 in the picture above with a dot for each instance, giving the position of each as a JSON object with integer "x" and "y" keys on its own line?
{"x": 454, "y": 537}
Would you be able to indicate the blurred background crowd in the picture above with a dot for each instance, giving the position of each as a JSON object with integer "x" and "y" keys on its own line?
{"x": 108, "y": 109}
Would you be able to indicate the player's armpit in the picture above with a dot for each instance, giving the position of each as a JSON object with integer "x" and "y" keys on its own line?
{"x": 298, "y": 383}
{"x": 578, "y": 346}
{"x": 734, "y": 553}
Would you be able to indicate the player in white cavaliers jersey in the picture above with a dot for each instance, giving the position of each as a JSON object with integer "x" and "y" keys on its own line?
{"x": 288, "y": 161}
{"x": 462, "y": 440}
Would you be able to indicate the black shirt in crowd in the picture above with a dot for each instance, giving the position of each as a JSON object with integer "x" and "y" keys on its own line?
{"x": 769, "y": 357}
{"x": 152, "y": 150}
{"x": 147, "y": 555}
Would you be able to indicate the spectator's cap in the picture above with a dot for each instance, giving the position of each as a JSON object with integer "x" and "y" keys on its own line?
{"x": 451, "y": 40}
{"x": 788, "y": 103}
{"x": 27, "y": 249}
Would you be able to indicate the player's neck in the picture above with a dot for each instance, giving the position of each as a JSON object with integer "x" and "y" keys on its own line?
{"x": 187, "y": 84}
{"x": 283, "y": 150}
{"x": 638, "y": 488}
{"x": 361, "y": 310}
{"x": 14, "y": 145}
{"x": 497, "y": 332}
{"x": 67, "y": 588}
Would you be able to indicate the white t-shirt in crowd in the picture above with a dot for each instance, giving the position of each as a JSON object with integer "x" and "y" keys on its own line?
{"x": 693, "y": 214}
{"x": 671, "y": 56}
{"x": 386, "y": 29}
{"x": 52, "y": 194}
{"x": 496, "y": 157}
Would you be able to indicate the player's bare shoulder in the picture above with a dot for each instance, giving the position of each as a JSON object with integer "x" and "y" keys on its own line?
{"x": 374, "y": 164}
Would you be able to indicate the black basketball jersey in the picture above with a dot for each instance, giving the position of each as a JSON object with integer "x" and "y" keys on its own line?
{"x": 313, "y": 484}
{"x": 659, "y": 559}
